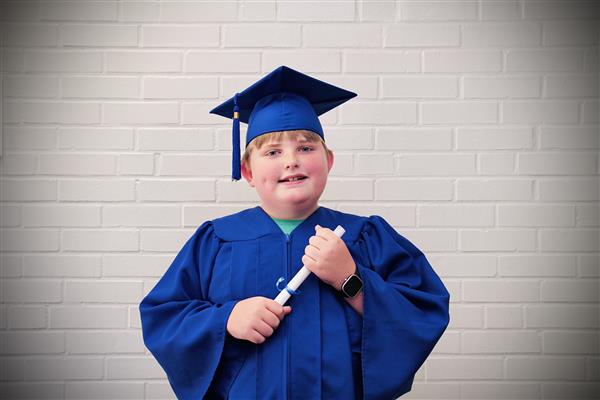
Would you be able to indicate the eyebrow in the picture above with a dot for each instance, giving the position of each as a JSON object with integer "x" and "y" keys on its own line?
{"x": 275, "y": 144}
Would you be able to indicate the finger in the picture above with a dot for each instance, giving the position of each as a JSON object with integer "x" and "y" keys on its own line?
{"x": 318, "y": 241}
{"x": 264, "y": 329}
{"x": 256, "y": 337}
{"x": 308, "y": 261}
{"x": 272, "y": 319}
{"x": 315, "y": 241}
{"x": 311, "y": 251}
{"x": 274, "y": 307}
{"x": 324, "y": 233}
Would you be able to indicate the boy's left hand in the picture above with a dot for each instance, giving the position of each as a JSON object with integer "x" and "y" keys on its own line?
{"x": 328, "y": 257}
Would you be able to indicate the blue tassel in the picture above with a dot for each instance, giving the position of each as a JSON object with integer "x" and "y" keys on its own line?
{"x": 235, "y": 142}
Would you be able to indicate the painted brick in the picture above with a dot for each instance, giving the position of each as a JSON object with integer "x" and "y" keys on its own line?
{"x": 489, "y": 138}
{"x": 30, "y": 35}
{"x": 382, "y": 62}
{"x": 135, "y": 265}
{"x": 433, "y": 10}
{"x": 99, "y": 35}
{"x": 84, "y": 317}
{"x": 143, "y": 61}
{"x": 422, "y": 35}
{"x": 476, "y": 87}
{"x": 501, "y": 34}
{"x": 419, "y": 87}
{"x": 104, "y": 390}
{"x": 341, "y": 35}
{"x": 180, "y": 88}
{"x": 494, "y": 189}
{"x": 466, "y": 112}
{"x": 206, "y": 11}
{"x": 308, "y": 61}
{"x": 569, "y": 240}
{"x": 19, "y": 317}
{"x": 222, "y": 61}
{"x": 100, "y": 87}
{"x": 57, "y": 216}
{"x": 165, "y": 139}
{"x": 102, "y": 292}
{"x": 100, "y": 240}
{"x": 39, "y": 342}
{"x": 50, "y": 265}
{"x": 180, "y": 36}
{"x": 413, "y": 189}
{"x": 462, "y": 265}
{"x": 28, "y": 190}
{"x": 462, "y": 61}
{"x": 537, "y": 265}
{"x": 571, "y": 86}
{"x": 141, "y": 113}
{"x": 504, "y": 342}
{"x": 289, "y": 10}
{"x": 30, "y": 86}
{"x": 136, "y": 164}
{"x": 500, "y": 10}
{"x": 97, "y": 190}
{"x": 86, "y": 11}
{"x": 436, "y": 164}
{"x": 29, "y": 138}
{"x": 538, "y": 215}
{"x": 77, "y": 164}
{"x": 498, "y": 240}
{"x": 63, "y": 369}
{"x": 572, "y": 137}
{"x": 551, "y": 60}
{"x": 31, "y": 291}
{"x": 264, "y": 35}
{"x": 456, "y": 215}
{"x": 561, "y": 316}
{"x": 133, "y": 368}
{"x": 62, "y": 61}
{"x": 170, "y": 190}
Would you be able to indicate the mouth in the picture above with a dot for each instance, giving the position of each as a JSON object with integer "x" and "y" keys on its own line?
{"x": 293, "y": 178}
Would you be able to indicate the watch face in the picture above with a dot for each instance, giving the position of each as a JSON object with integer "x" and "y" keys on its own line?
{"x": 352, "y": 286}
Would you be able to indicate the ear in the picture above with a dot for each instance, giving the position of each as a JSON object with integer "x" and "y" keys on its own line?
{"x": 247, "y": 174}
{"x": 329, "y": 160}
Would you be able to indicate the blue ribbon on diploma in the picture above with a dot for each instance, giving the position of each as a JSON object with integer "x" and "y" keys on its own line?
{"x": 286, "y": 288}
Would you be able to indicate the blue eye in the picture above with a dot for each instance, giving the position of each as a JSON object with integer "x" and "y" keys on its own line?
{"x": 306, "y": 148}
{"x": 271, "y": 153}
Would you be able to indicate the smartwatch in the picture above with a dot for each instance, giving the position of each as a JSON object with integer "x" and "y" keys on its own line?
{"x": 351, "y": 286}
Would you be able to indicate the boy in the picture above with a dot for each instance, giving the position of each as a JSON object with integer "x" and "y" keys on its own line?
{"x": 363, "y": 322}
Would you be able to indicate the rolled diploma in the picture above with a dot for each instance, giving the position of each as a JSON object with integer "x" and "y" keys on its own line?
{"x": 301, "y": 275}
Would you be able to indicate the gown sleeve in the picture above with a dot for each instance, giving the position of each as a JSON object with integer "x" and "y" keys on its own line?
{"x": 405, "y": 310}
{"x": 183, "y": 330}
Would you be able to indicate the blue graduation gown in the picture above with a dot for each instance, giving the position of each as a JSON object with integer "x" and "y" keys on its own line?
{"x": 323, "y": 349}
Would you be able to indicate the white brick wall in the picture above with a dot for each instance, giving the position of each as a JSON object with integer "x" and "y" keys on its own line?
{"x": 475, "y": 134}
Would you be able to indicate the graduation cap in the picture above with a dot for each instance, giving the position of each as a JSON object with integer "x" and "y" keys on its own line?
{"x": 283, "y": 100}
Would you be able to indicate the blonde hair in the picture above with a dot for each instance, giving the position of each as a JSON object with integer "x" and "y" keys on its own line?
{"x": 261, "y": 140}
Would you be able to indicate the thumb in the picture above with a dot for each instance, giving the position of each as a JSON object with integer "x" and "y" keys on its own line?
{"x": 287, "y": 309}
{"x": 318, "y": 227}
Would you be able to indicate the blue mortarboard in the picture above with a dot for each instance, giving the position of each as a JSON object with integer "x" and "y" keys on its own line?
{"x": 283, "y": 100}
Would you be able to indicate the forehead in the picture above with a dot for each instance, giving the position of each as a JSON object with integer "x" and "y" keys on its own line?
{"x": 274, "y": 138}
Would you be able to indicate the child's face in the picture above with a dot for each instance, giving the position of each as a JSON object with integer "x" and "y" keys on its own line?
{"x": 272, "y": 165}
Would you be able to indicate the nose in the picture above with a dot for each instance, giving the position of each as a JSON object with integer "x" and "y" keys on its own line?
{"x": 291, "y": 160}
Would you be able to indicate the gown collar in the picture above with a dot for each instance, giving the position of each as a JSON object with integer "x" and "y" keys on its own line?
{"x": 254, "y": 223}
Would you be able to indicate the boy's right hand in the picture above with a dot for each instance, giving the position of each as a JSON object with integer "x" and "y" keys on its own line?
{"x": 255, "y": 319}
